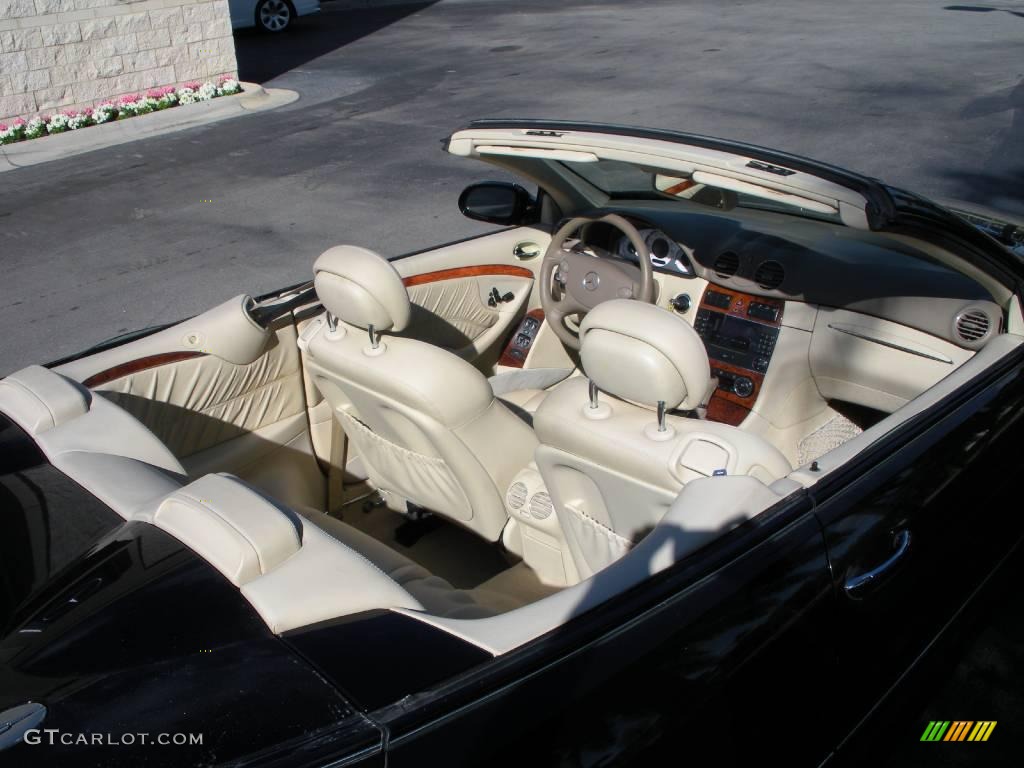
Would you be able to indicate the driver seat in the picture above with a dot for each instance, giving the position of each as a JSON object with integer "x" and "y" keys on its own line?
{"x": 612, "y": 459}
{"x": 425, "y": 422}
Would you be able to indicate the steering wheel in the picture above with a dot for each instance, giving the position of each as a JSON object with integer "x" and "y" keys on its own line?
{"x": 574, "y": 281}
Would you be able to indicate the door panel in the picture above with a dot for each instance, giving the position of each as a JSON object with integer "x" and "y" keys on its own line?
{"x": 929, "y": 519}
{"x": 453, "y": 312}
{"x": 450, "y": 287}
{"x": 235, "y": 404}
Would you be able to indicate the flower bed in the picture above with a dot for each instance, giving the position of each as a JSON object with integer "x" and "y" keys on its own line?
{"x": 153, "y": 100}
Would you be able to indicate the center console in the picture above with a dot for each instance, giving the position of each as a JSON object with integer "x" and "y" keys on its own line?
{"x": 739, "y": 331}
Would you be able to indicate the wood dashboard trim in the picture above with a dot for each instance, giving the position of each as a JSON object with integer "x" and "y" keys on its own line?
{"x": 739, "y": 303}
{"x": 728, "y": 407}
{"x": 136, "y": 366}
{"x": 483, "y": 270}
{"x": 507, "y": 359}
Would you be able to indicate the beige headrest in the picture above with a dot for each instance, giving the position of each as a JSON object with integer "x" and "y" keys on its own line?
{"x": 235, "y": 529}
{"x": 643, "y": 353}
{"x": 361, "y": 288}
{"x": 37, "y": 399}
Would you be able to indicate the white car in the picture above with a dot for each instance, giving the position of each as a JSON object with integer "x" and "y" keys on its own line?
{"x": 269, "y": 15}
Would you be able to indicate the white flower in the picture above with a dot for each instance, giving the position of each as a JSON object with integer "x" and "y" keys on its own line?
{"x": 151, "y": 103}
{"x": 58, "y": 123}
{"x": 230, "y": 86}
{"x": 206, "y": 92}
{"x": 78, "y": 121}
{"x": 103, "y": 113}
{"x": 186, "y": 96}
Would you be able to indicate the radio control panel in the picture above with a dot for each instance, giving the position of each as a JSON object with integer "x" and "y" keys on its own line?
{"x": 740, "y": 332}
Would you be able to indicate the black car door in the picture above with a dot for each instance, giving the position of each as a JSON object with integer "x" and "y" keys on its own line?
{"x": 914, "y": 526}
{"x": 710, "y": 663}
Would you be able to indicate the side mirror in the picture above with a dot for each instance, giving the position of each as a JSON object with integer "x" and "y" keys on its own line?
{"x": 498, "y": 202}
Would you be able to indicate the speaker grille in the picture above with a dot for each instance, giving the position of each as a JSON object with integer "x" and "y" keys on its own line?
{"x": 541, "y": 506}
{"x": 516, "y": 495}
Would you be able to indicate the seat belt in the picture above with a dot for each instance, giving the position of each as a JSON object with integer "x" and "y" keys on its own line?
{"x": 336, "y": 465}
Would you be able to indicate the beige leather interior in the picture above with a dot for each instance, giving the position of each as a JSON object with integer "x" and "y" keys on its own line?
{"x": 611, "y": 473}
{"x": 606, "y": 497}
{"x": 425, "y": 422}
{"x": 642, "y": 353}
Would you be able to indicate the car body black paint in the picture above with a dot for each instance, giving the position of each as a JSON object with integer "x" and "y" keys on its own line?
{"x": 379, "y": 657}
{"x": 122, "y": 629}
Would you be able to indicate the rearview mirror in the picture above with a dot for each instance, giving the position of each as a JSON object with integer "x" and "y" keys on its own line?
{"x": 498, "y": 202}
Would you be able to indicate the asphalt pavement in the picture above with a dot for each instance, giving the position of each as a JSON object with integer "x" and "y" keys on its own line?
{"x": 925, "y": 95}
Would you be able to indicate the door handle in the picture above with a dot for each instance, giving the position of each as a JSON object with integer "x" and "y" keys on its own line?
{"x": 856, "y": 586}
{"x": 526, "y": 251}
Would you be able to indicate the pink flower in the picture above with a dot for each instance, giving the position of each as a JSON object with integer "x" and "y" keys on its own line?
{"x": 87, "y": 111}
{"x": 19, "y": 122}
{"x": 129, "y": 98}
{"x": 69, "y": 113}
{"x": 45, "y": 118}
{"x": 194, "y": 85}
{"x": 3, "y": 127}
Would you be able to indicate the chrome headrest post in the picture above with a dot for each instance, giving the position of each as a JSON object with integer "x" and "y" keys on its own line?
{"x": 593, "y": 394}
{"x": 374, "y": 338}
{"x": 661, "y": 415}
{"x": 332, "y": 322}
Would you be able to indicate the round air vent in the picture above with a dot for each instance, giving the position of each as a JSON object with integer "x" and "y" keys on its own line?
{"x": 727, "y": 264}
{"x": 973, "y": 325}
{"x": 516, "y": 496}
{"x": 541, "y": 506}
{"x": 769, "y": 274}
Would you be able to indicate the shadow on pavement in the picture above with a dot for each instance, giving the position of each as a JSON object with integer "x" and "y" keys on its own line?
{"x": 262, "y": 57}
{"x": 982, "y": 9}
{"x": 997, "y": 183}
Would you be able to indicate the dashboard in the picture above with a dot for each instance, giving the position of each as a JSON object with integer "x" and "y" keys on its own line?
{"x": 819, "y": 263}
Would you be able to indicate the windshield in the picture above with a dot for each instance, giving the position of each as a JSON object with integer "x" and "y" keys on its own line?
{"x": 627, "y": 181}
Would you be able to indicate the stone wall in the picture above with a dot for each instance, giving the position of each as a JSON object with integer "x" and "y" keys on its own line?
{"x": 69, "y": 54}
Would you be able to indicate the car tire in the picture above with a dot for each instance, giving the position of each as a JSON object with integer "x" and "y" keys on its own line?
{"x": 274, "y": 15}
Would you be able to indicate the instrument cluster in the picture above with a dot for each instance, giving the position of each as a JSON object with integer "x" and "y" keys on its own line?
{"x": 666, "y": 254}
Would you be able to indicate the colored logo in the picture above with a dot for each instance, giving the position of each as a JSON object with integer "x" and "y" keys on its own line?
{"x": 958, "y": 730}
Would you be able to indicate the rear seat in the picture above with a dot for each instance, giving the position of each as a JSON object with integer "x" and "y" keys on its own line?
{"x": 294, "y": 569}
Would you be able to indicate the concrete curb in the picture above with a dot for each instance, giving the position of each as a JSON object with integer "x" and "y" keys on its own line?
{"x": 254, "y": 98}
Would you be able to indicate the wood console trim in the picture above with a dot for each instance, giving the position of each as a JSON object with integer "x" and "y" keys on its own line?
{"x": 484, "y": 270}
{"x": 728, "y": 407}
{"x": 754, "y": 376}
{"x": 507, "y": 359}
{"x": 725, "y": 411}
{"x": 139, "y": 365}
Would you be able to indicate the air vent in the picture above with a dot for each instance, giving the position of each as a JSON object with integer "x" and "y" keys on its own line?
{"x": 727, "y": 264}
{"x": 973, "y": 325}
{"x": 541, "y": 506}
{"x": 516, "y": 496}
{"x": 769, "y": 275}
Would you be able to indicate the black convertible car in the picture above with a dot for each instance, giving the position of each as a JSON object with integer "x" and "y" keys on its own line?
{"x": 692, "y": 461}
